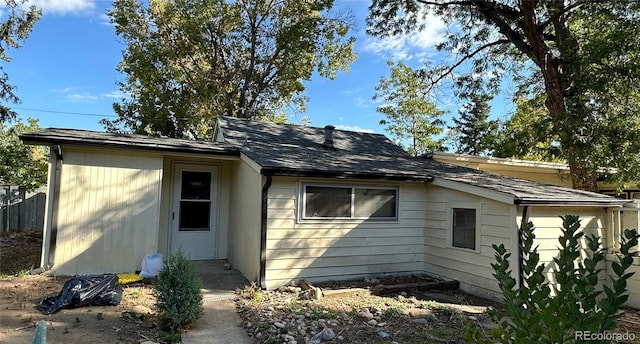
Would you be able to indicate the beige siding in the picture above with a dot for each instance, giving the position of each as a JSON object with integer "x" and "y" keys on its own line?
{"x": 338, "y": 249}
{"x": 107, "y": 211}
{"x": 471, "y": 267}
{"x": 548, "y": 228}
{"x": 244, "y": 219}
{"x": 633, "y": 284}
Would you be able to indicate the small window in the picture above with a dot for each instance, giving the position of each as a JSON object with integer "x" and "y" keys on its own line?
{"x": 346, "y": 202}
{"x": 464, "y": 228}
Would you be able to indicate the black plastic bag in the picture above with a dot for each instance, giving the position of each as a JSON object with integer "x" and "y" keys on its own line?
{"x": 94, "y": 290}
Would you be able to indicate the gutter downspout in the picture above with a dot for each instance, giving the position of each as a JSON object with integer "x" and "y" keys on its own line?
{"x": 525, "y": 219}
{"x": 263, "y": 232}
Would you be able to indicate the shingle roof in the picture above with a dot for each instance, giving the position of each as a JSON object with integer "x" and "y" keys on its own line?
{"x": 524, "y": 191}
{"x": 287, "y": 149}
{"x": 115, "y": 140}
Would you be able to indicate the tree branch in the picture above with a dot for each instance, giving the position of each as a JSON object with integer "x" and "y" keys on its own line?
{"x": 467, "y": 57}
{"x": 567, "y": 9}
{"x": 504, "y": 10}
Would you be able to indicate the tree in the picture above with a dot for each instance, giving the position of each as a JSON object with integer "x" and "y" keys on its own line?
{"x": 187, "y": 62}
{"x": 22, "y": 165}
{"x": 410, "y": 114}
{"x": 583, "y": 54}
{"x": 15, "y": 28}
{"x": 528, "y": 134}
{"x": 475, "y": 133}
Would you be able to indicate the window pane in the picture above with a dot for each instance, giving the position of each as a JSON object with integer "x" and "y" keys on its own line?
{"x": 464, "y": 228}
{"x": 196, "y": 185}
{"x": 194, "y": 216}
{"x": 375, "y": 203}
{"x": 327, "y": 202}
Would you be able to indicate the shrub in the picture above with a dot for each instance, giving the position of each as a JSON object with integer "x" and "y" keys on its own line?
{"x": 579, "y": 303}
{"x": 178, "y": 293}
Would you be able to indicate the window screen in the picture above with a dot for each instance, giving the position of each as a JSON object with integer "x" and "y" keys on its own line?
{"x": 464, "y": 228}
{"x": 349, "y": 202}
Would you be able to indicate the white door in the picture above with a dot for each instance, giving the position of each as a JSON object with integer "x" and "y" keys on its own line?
{"x": 194, "y": 212}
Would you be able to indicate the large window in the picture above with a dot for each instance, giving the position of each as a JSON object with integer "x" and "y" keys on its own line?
{"x": 349, "y": 202}
{"x": 464, "y": 228}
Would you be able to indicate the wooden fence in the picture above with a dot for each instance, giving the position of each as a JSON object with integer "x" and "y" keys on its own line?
{"x": 21, "y": 210}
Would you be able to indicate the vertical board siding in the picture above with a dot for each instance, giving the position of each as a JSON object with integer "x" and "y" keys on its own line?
{"x": 107, "y": 211}
{"x": 548, "y": 228}
{"x": 338, "y": 249}
{"x": 471, "y": 268}
{"x": 244, "y": 220}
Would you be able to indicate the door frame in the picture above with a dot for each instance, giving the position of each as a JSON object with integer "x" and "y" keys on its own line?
{"x": 176, "y": 178}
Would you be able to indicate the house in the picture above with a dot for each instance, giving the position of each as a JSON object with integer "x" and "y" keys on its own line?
{"x": 555, "y": 173}
{"x": 283, "y": 202}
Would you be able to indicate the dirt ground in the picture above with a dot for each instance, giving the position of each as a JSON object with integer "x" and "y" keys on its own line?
{"x": 407, "y": 317}
{"x": 124, "y": 323}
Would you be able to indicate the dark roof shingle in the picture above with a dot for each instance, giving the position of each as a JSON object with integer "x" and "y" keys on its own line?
{"x": 288, "y": 149}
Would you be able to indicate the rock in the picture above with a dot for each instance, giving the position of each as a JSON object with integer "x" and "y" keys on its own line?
{"x": 340, "y": 338}
{"x": 403, "y": 293}
{"x": 382, "y": 324}
{"x": 383, "y": 334}
{"x": 394, "y": 342}
{"x": 343, "y": 315}
{"x": 374, "y": 281}
{"x": 327, "y": 334}
{"x": 279, "y": 324}
{"x": 372, "y": 322}
{"x": 471, "y": 317}
{"x": 421, "y": 321}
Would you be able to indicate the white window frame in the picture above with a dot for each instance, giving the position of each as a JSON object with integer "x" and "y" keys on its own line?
{"x": 303, "y": 202}
{"x": 478, "y": 209}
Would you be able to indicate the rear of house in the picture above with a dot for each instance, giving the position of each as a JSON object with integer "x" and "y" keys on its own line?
{"x": 285, "y": 202}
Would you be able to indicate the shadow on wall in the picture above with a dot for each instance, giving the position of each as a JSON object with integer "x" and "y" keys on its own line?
{"x": 107, "y": 218}
{"x": 21, "y": 210}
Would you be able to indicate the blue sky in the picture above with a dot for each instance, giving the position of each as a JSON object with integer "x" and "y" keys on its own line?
{"x": 65, "y": 71}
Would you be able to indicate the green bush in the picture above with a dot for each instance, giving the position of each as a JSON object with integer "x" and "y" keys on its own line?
{"x": 533, "y": 315}
{"x": 178, "y": 293}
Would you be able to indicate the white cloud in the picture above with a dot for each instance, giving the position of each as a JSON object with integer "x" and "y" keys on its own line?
{"x": 61, "y": 90}
{"x": 409, "y": 46}
{"x": 63, "y": 7}
{"x": 81, "y": 97}
{"x": 354, "y": 128}
{"x": 113, "y": 94}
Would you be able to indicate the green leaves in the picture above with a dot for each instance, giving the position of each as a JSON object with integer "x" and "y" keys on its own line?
{"x": 474, "y": 132}
{"x": 412, "y": 120}
{"x": 579, "y": 304}
{"x": 187, "y": 62}
{"x": 22, "y": 165}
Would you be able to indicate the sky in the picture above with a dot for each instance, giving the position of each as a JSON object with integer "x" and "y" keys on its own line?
{"x": 65, "y": 72}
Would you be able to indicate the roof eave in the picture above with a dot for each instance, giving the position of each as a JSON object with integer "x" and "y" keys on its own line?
{"x": 613, "y": 203}
{"x": 44, "y": 140}
{"x": 311, "y": 173}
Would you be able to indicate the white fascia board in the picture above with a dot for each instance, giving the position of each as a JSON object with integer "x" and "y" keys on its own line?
{"x": 254, "y": 165}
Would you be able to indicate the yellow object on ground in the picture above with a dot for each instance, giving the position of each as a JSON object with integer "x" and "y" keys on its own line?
{"x": 129, "y": 278}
